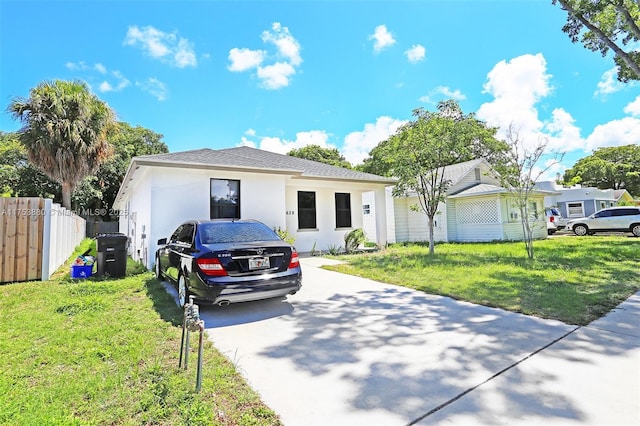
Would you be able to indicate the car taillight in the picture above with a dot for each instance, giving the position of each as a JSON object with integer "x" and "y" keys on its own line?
{"x": 552, "y": 219}
{"x": 295, "y": 260}
{"x": 211, "y": 267}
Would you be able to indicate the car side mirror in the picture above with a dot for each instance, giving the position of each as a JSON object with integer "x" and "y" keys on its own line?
{"x": 162, "y": 241}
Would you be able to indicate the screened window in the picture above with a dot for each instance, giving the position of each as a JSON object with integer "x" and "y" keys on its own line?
{"x": 306, "y": 210}
{"x": 343, "y": 210}
{"x": 225, "y": 199}
{"x": 477, "y": 173}
{"x": 575, "y": 209}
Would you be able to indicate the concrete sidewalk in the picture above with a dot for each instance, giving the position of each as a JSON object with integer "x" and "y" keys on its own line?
{"x": 350, "y": 351}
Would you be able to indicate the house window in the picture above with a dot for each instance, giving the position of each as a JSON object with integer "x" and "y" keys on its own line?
{"x": 575, "y": 209}
{"x": 533, "y": 210}
{"x": 366, "y": 209}
{"x": 477, "y": 172}
{"x": 306, "y": 210}
{"x": 225, "y": 199}
{"x": 343, "y": 210}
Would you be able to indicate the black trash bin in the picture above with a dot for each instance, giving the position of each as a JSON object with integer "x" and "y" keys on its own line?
{"x": 112, "y": 254}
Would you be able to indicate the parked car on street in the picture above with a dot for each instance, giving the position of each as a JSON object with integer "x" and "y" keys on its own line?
{"x": 224, "y": 261}
{"x": 612, "y": 219}
{"x": 555, "y": 221}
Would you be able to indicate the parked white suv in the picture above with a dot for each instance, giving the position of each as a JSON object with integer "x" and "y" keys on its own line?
{"x": 555, "y": 221}
{"x": 616, "y": 219}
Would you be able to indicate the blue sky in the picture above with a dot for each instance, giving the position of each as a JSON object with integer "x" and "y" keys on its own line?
{"x": 344, "y": 74}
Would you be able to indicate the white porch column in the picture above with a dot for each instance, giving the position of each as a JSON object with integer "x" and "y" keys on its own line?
{"x": 385, "y": 222}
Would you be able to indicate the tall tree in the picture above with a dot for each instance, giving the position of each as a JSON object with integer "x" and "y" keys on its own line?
{"x": 323, "y": 155}
{"x": 519, "y": 172}
{"x": 419, "y": 152}
{"x": 480, "y": 143}
{"x": 98, "y": 191}
{"x": 65, "y": 131}
{"x": 18, "y": 178}
{"x": 608, "y": 168}
{"x": 605, "y": 25}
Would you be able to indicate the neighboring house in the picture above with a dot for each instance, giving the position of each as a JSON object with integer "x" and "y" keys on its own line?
{"x": 623, "y": 196}
{"x": 477, "y": 208}
{"x": 577, "y": 201}
{"x": 315, "y": 202}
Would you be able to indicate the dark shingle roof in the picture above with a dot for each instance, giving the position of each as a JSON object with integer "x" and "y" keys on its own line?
{"x": 252, "y": 159}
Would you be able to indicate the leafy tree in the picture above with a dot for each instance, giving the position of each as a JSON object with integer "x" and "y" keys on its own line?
{"x": 607, "y": 24}
{"x": 65, "y": 130}
{"x": 419, "y": 152}
{"x": 608, "y": 168}
{"x": 480, "y": 143}
{"x": 518, "y": 172}
{"x": 323, "y": 155}
{"x": 99, "y": 190}
{"x": 18, "y": 178}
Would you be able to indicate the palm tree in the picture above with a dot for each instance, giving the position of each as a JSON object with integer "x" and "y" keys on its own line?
{"x": 65, "y": 129}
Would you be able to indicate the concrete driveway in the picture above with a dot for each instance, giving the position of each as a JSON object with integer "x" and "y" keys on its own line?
{"x": 351, "y": 351}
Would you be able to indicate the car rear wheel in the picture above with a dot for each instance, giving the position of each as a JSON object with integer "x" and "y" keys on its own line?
{"x": 635, "y": 229}
{"x": 580, "y": 230}
{"x": 183, "y": 291}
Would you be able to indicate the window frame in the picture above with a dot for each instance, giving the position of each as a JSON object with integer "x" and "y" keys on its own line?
{"x": 307, "y": 213}
{"x": 340, "y": 209}
{"x": 219, "y": 210}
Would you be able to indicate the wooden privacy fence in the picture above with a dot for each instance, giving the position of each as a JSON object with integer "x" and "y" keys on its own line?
{"x": 36, "y": 237}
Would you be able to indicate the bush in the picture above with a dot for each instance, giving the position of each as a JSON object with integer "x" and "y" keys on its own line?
{"x": 284, "y": 235}
{"x": 353, "y": 239}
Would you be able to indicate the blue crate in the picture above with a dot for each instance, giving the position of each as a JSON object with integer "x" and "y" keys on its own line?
{"x": 81, "y": 271}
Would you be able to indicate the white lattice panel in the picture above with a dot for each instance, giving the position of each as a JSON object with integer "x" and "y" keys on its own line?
{"x": 477, "y": 211}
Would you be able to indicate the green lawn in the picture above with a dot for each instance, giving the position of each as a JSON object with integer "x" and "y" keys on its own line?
{"x": 89, "y": 352}
{"x": 572, "y": 279}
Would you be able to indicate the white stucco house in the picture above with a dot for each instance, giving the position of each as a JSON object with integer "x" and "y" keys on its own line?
{"x": 476, "y": 209}
{"x": 315, "y": 202}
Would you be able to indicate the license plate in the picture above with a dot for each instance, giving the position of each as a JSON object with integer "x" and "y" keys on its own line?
{"x": 259, "y": 263}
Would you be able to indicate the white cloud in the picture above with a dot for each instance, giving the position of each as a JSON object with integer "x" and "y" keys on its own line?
{"x": 167, "y": 47}
{"x": 245, "y": 59}
{"x": 415, "y": 54}
{"x": 283, "y": 146}
{"x": 633, "y": 108}
{"x": 382, "y": 38}
{"x": 155, "y": 87}
{"x": 563, "y": 135}
{"x": 517, "y": 86}
{"x": 357, "y": 145}
{"x": 288, "y": 47}
{"x": 113, "y": 83}
{"x": 440, "y": 93}
{"x": 625, "y": 131}
{"x": 82, "y": 66}
{"x": 277, "y": 73}
{"x": 275, "y": 76}
{"x": 250, "y": 132}
{"x": 105, "y": 86}
{"x": 608, "y": 83}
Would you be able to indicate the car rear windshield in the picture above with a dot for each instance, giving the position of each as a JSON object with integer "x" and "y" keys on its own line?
{"x": 235, "y": 232}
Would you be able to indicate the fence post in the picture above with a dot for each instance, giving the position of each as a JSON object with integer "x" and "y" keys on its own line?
{"x": 46, "y": 239}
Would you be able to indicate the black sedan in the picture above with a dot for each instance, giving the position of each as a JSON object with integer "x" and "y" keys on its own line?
{"x": 224, "y": 261}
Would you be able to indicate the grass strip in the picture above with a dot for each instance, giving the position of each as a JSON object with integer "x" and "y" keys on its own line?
{"x": 571, "y": 279}
{"x": 105, "y": 351}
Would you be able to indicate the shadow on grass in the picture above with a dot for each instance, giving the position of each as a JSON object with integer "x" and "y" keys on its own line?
{"x": 163, "y": 302}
